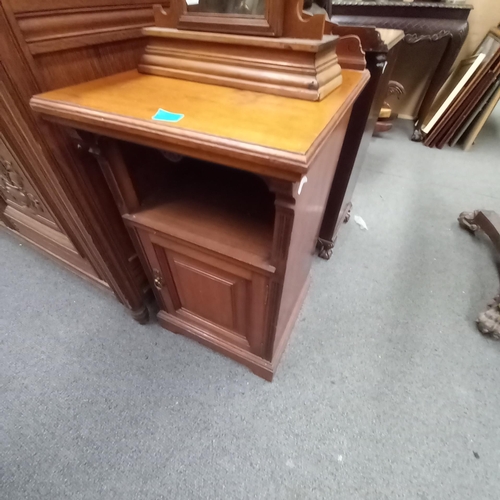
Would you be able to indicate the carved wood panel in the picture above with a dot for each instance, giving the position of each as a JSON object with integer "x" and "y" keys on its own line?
{"x": 17, "y": 190}
{"x": 47, "y": 44}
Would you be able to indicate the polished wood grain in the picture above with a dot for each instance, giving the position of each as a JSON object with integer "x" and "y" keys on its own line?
{"x": 27, "y": 210}
{"x": 298, "y": 25}
{"x": 71, "y": 29}
{"x": 27, "y": 6}
{"x": 262, "y": 133}
{"x": 214, "y": 208}
{"x": 282, "y": 18}
{"x": 270, "y": 24}
{"x": 280, "y": 66}
{"x": 179, "y": 16}
{"x": 46, "y": 45}
{"x": 227, "y": 252}
{"x": 216, "y": 297}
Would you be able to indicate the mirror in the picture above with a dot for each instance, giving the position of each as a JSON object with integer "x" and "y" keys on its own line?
{"x": 235, "y": 7}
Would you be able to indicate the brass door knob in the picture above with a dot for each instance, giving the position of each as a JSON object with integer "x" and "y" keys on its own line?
{"x": 157, "y": 279}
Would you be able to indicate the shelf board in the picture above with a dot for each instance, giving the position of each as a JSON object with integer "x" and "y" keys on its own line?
{"x": 221, "y": 215}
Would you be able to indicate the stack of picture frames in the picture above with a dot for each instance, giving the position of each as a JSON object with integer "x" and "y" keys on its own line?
{"x": 467, "y": 98}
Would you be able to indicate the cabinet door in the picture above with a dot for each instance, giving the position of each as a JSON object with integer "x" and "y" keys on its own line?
{"x": 216, "y": 296}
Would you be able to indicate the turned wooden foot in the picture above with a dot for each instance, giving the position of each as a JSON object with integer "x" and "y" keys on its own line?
{"x": 141, "y": 315}
{"x": 488, "y": 322}
{"x": 325, "y": 248}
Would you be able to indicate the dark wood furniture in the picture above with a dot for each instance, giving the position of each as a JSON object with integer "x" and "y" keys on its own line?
{"x": 441, "y": 25}
{"x": 227, "y": 234}
{"x": 381, "y": 48}
{"x": 299, "y": 59}
{"x": 52, "y": 194}
{"x": 489, "y": 222}
{"x": 227, "y": 250}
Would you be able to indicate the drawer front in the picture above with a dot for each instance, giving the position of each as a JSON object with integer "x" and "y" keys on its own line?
{"x": 217, "y": 296}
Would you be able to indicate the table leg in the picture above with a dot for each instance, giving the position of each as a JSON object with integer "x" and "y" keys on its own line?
{"x": 488, "y": 322}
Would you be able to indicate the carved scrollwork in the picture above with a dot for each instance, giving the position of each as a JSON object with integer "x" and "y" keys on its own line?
{"x": 395, "y": 88}
{"x": 13, "y": 187}
{"x": 412, "y": 38}
{"x": 350, "y": 53}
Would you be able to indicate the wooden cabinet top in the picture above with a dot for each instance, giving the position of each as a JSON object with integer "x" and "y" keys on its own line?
{"x": 267, "y": 134}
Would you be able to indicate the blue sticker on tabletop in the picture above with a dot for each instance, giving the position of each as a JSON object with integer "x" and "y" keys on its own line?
{"x": 167, "y": 116}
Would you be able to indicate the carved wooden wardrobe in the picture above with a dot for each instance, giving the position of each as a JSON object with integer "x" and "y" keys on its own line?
{"x": 47, "y": 186}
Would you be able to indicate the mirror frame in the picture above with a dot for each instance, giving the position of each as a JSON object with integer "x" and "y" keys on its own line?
{"x": 271, "y": 24}
{"x": 285, "y": 18}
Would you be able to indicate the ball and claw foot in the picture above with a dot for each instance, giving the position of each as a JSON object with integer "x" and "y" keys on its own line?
{"x": 417, "y": 136}
{"x": 488, "y": 322}
{"x": 466, "y": 220}
{"x": 347, "y": 217}
{"x": 325, "y": 248}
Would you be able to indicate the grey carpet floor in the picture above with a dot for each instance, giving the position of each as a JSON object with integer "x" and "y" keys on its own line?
{"x": 386, "y": 390}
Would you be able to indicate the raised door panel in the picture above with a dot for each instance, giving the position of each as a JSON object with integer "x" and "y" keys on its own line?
{"x": 217, "y": 297}
{"x": 208, "y": 294}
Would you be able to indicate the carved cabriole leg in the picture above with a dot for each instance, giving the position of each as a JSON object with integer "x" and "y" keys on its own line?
{"x": 325, "y": 247}
{"x": 488, "y": 322}
{"x": 108, "y": 157}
